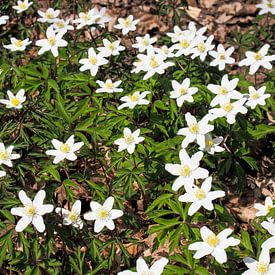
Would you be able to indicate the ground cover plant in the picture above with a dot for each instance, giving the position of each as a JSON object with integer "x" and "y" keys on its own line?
{"x": 120, "y": 151}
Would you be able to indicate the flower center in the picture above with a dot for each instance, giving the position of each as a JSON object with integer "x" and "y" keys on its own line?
{"x": 262, "y": 267}
{"x": 153, "y": 63}
{"x": 223, "y": 91}
{"x": 194, "y": 128}
{"x": 18, "y": 43}
{"x": 65, "y": 148}
{"x": 97, "y": 19}
{"x": 270, "y": 5}
{"x": 227, "y": 107}
{"x": 209, "y": 143}
{"x": 93, "y": 60}
{"x": 184, "y": 43}
{"x": 212, "y": 240}
{"x": 127, "y": 22}
{"x": 15, "y": 101}
{"x": 85, "y": 17}
{"x": 182, "y": 91}
{"x": 258, "y": 56}
{"x": 145, "y": 42}
{"x": 134, "y": 97}
{"x": 185, "y": 170}
{"x": 52, "y": 40}
{"x": 22, "y": 5}
{"x": 201, "y": 47}
{"x": 30, "y": 210}
{"x": 111, "y": 46}
{"x": 129, "y": 139}
{"x": 200, "y": 194}
{"x": 255, "y": 95}
{"x": 4, "y": 155}
{"x": 109, "y": 85}
{"x": 222, "y": 56}
{"x": 269, "y": 207}
{"x": 49, "y": 15}
{"x": 73, "y": 216}
{"x": 60, "y": 24}
{"x": 103, "y": 214}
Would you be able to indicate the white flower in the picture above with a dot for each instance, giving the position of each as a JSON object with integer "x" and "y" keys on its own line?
{"x": 52, "y": 42}
{"x": 256, "y": 97}
{"x": 202, "y": 48}
{"x": 129, "y": 141}
{"x": 4, "y": 19}
{"x": 269, "y": 243}
{"x": 14, "y": 101}
{"x": 62, "y": 25}
{"x": 185, "y": 45}
{"x": 177, "y": 35}
{"x": 225, "y": 91}
{"x": 192, "y": 30}
{"x": 229, "y": 110}
{"x": 131, "y": 101}
{"x": 183, "y": 92}
{"x": 103, "y": 214}
{"x": 108, "y": 86}
{"x": 64, "y": 150}
{"x": 144, "y": 43}
{"x": 269, "y": 225}
{"x": 22, "y": 6}
{"x": 127, "y": 24}
{"x": 2, "y": 174}
{"x": 266, "y": 6}
{"x": 222, "y": 57}
{"x": 187, "y": 171}
{"x": 261, "y": 267}
{"x": 6, "y": 155}
{"x": 257, "y": 59}
{"x": 17, "y": 44}
{"x": 212, "y": 144}
{"x": 85, "y": 18}
{"x": 143, "y": 269}
{"x": 151, "y": 63}
{"x": 98, "y": 17}
{"x": 200, "y": 196}
{"x": 32, "y": 211}
{"x": 213, "y": 244}
{"x": 165, "y": 51}
{"x": 111, "y": 48}
{"x": 263, "y": 210}
{"x": 93, "y": 62}
{"x": 49, "y": 16}
{"x": 195, "y": 130}
{"x": 71, "y": 216}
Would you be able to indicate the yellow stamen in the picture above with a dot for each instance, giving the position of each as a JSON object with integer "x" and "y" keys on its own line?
{"x": 262, "y": 268}
{"x": 258, "y": 56}
{"x": 65, "y": 148}
{"x": 4, "y": 155}
{"x": 22, "y": 6}
{"x": 127, "y": 22}
{"x": 49, "y": 15}
{"x": 269, "y": 207}
{"x": 184, "y": 43}
{"x": 194, "y": 128}
{"x": 15, "y": 101}
{"x": 109, "y": 85}
{"x": 30, "y": 210}
{"x": 270, "y": 5}
{"x": 227, "y": 107}
{"x": 103, "y": 214}
{"x": 212, "y": 240}
{"x": 85, "y": 17}
{"x": 201, "y": 47}
{"x": 221, "y": 56}
{"x": 145, "y": 42}
{"x": 223, "y": 91}
{"x": 129, "y": 139}
{"x": 255, "y": 95}
{"x": 111, "y": 46}
{"x": 60, "y": 24}
{"x": 185, "y": 170}
{"x": 52, "y": 40}
{"x": 73, "y": 216}
{"x": 18, "y": 43}
{"x": 200, "y": 194}
{"x": 153, "y": 63}
{"x": 134, "y": 97}
{"x": 93, "y": 60}
{"x": 209, "y": 143}
{"x": 182, "y": 91}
